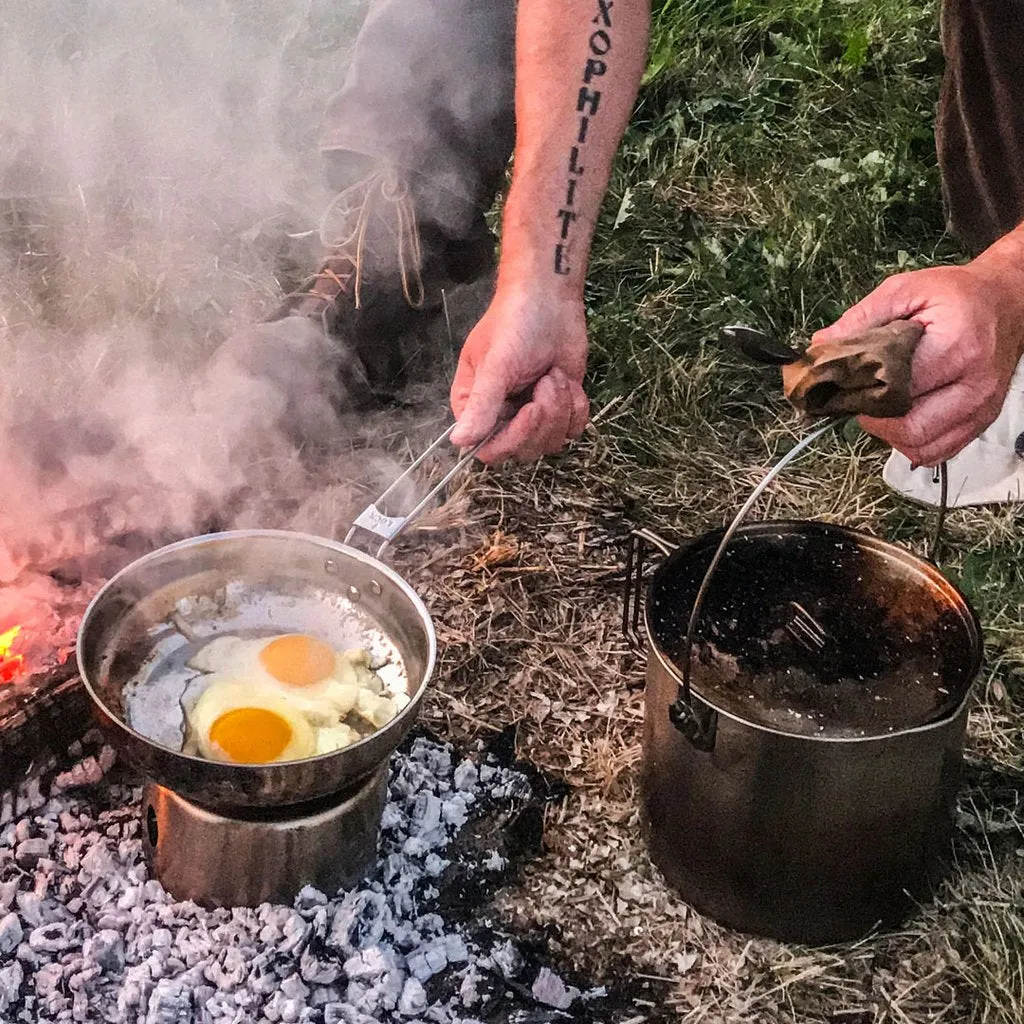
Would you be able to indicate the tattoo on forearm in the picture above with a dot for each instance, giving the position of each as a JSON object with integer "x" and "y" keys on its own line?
{"x": 588, "y": 106}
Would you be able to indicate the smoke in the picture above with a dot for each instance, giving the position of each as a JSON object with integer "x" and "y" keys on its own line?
{"x": 159, "y": 180}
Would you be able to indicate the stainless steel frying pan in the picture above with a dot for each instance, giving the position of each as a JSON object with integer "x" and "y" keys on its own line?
{"x": 142, "y": 627}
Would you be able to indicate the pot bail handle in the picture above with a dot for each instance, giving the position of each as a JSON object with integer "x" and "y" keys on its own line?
{"x": 697, "y": 728}
{"x": 864, "y": 375}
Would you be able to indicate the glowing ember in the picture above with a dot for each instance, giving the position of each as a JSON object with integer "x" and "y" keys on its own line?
{"x": 10, "y": 664}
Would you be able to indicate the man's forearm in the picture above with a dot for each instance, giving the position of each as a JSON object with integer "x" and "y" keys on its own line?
{"x": 578, "y": 69}
{"x": 1005, "y": 255}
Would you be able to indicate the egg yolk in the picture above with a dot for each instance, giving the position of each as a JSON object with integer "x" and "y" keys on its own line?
{"x": 251, "y": 735}
{"x": 298, "y": 660}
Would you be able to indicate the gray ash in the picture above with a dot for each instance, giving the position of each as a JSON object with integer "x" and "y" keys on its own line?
{"x": 85, "y": 935}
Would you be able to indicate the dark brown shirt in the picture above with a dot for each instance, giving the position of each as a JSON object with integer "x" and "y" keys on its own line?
{"x": 980, "y": 125}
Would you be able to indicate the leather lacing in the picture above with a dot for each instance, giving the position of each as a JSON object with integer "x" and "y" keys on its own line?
{"x": 383, "y": 194}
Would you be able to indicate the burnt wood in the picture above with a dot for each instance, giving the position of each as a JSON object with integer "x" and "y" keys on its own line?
{"x": 39, "y": 720}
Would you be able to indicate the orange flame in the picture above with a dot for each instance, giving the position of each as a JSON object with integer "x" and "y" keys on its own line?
{"x": 10, "y": 664}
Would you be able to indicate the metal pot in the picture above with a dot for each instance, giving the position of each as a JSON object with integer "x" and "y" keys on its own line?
{"x": 782, "y": 796}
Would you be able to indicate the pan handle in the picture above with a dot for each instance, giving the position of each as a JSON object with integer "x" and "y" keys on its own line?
{"x": 373, "y": 520}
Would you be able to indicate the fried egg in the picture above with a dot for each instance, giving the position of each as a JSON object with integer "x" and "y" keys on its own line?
{"x": 247, "y": 723}
{"x": 313, "y": 677}
{"x": 283, "y": 698}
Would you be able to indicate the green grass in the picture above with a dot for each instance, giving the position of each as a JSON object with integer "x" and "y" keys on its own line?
{"x": 780, "y": 162}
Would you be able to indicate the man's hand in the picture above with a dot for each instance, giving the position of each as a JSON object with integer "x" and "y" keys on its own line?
{"x": 530, "y": 344}
{"x": 974, "y": 336}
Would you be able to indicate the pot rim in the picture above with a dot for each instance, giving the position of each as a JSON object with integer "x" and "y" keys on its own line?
{"x": 327, "y": 543}
{"x": 768, "y": 525}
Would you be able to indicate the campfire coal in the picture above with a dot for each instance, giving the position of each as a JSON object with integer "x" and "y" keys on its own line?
{"x": 85, "y": 935}
{"x": 11, "y": 664}
{"x": 38, "y": 623}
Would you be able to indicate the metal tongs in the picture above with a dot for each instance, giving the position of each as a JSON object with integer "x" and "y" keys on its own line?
{"x": 379, "y": 523}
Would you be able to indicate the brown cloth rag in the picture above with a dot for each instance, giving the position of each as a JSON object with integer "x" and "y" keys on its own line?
{"x": 864, "y": 376}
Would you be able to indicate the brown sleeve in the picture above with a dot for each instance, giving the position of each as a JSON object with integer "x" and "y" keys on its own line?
{"x": 980, "y": 124}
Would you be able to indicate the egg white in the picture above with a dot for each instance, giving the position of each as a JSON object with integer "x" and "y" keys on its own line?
{"x": 216, "y": 655}
{"x": 335, "y": 737}
{"x": 376, "y": 710}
